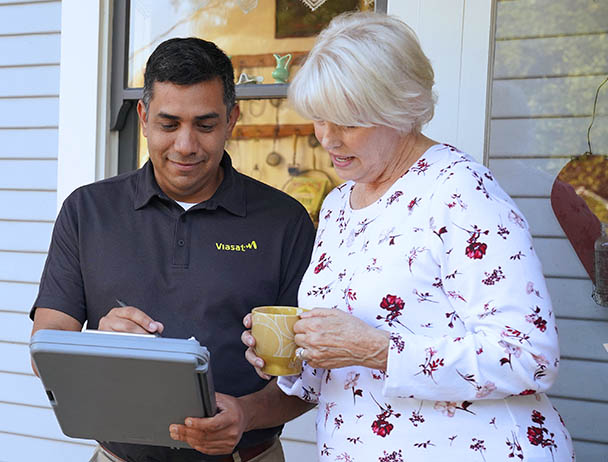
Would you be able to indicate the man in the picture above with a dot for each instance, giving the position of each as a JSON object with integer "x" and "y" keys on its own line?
{"x": 190, "y": 245}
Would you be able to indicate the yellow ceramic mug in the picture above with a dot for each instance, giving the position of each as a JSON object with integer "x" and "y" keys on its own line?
{"x": 272, "y": 328}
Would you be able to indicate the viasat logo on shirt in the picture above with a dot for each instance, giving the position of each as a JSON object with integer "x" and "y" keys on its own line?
{"x": 236, "y": 247}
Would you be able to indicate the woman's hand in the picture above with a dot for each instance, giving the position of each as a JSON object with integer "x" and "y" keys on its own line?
{"x": 250, "y": 355}
{"x": 332, "y": 338}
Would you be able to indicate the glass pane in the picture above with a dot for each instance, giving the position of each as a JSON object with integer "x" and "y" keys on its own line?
{"x": 250, "y": 31}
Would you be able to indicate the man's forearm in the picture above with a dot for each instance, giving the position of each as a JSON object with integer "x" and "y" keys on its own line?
{"x": 270, "y": 407}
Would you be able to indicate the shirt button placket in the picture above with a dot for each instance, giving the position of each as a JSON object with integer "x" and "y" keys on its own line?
{"x": 180, "y": 249}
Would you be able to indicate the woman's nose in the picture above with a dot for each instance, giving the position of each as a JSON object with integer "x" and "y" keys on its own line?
{"x": 328, "y": 135}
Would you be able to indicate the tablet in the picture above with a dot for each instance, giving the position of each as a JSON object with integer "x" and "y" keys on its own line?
{"x": 123, "y": 387}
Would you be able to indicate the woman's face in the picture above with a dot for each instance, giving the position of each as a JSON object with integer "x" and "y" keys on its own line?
{"x": 361, "y": 154}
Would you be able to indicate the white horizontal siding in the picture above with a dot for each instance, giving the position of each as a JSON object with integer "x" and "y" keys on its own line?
{"x": 28, "y": 143}
{"x": 545, "y": 97}
{"x": 20, "y": 448}
{"x": 28, "y": 174}
{"x": 25, "y": 236}
{"x": 540, "y": 216}
{"x": 27, "y": 50}
{"x": 583, "y": 339}
{"x": 299, "y": 451}
{"x": 298, "y": 438}
{"x": 584, "y": 419}
{"x": 572, "y": 299}
{"x": 525, "y": 176}
{"x": 22, "y": 267}
{"x": 551, "y": 56}
{"x": 15, "y": 327}
{"x": 17, "y": 296}
{"x": 558, "y": 258}
{"x": 29, "y": 112}
{"x": 28, "y": 205}
{"x": 15, "y": 358}
{"x": 23, "y": 389}
{"x": 565, "y": 136}
{"x": 523, "y": 18}
{"x": 568, "y": 382}
{"x": 30, "y": 19}
{"x": 29, "y": 81}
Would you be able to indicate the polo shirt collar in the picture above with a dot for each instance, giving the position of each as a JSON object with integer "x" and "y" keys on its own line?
{"x": 230, "y": 195}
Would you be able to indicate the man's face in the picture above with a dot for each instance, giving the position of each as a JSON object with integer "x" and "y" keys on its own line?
{"x": 187, "y": 127}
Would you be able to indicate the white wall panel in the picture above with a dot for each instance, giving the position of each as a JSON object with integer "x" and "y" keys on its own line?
{"x": 15, "y": 357}
{"x": 558, "y": 258}
{"x": 569, "y": 382}
{"x": 23, "y": 389}
{"x": 32, "y": 18}
{"x": 28, "y": 205}
{"x": 527, "y": 177}
{"x": 552, "y": 56}
{"x": 30, "y": 236}
{"x": 18, "y": 448}
{"x": 29, "y": 49}
{"x": 28, "y": 142}
{"x": 546, "y": 137}
{"x": 523, "y": 18}
{"x": 590, "y": 452}
{"x": 299, "y": 451}
{"x": 23, "y": 267}
{"x": 302, "y": 428}
{"x": 17, "y": 296}
{"x": 15, "y": 327}
{"x": 545, "y": 97}
{"x": 572, "y": 298}
{"x": 583, "y": 339}
{"x": 29, "y": 81}
{"x": 540, "y": 217}
{"x": 584, "y": 419}
{"x": 28, "y": 174}
{"x": 29, "y": 112}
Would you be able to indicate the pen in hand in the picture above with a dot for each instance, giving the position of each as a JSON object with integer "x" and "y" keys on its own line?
{"x": 123, "y": 304}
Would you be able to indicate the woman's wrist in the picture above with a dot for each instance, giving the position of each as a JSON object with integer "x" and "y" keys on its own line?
{"x": 377, "y": 346}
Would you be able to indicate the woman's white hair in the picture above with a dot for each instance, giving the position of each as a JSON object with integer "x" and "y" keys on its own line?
{"x": 366, "y": 69}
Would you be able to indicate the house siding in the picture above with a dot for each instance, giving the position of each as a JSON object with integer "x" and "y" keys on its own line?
{"x": 550, "y": 57}
{"x": 29, "y": 97}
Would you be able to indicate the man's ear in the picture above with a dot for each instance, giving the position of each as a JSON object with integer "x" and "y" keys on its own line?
{"x": 143, "y": 117}
{"x": 232, "y": 119}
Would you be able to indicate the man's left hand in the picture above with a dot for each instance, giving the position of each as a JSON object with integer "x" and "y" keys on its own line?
{"x": 214, "y": 435}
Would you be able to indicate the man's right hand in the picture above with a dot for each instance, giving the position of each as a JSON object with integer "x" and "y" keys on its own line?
{"x": 129, "y": 319}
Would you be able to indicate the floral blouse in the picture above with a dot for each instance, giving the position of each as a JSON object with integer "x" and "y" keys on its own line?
{"x": 444, "y": 262}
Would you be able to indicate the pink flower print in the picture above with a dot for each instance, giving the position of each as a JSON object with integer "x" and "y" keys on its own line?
{"x": 394, "y": 197}
{"x": 373, "y": 266}
{"x": 449, "y": 408}
{"x": 511, "y": 350}
{"x": 317, "y": 291}
{"x": 488, "y": 311}
{"x": 338, "y": 421}
{"x": 424, "y": 296}
{"x": 453, "y": 316}
{"x": 324, "y": 262}
{"x": 388, "y": 236}
{"x": 414, "y": 254}
{"x": 475, "y": 250}
{"x": 397, "y": 342}
{"x": 541, "y": 366}
{"x": 354, "y": 440}
{"x": 327, "y": 215}
{"x": 328, "y": 407}
{"x": 517, "y": 219}
{"x": 480, "y": 185}
{"x": 452, "y": 275}
{"x": 413, "y": 203}
{"x": 478, "y": 445}
{"x": 455, "y": 295}
{"x": 482, "y": 390}
{"x": 536, "y": 319}
{"x": 431, "y": 364}
{"x": 531, "y": 290}
{"x": 417, "y": 418}
{"x": 539, "y": 435}
{"x": 438, "y": 283}
{"x": 345, "y": 457}
{"x": 392, "y": 457}
{"x": 510, "y": 332}
{"x": 517, "y": 256}
{"x": 503, "y": 231}
{"x": 527, "y": 392}
{"x": 515, "y": 449}
{"x": 394, "y": 305}
{"x": 494, "y": 277}
{"x": 351, "y": 382}
{"x": 420, "y": 167}
{"x": 381, "y": 426}
{"x": 441, "y": 231}
{"x": 326, "y": 450}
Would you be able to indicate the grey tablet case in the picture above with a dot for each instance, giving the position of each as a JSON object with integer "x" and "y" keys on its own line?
{"x": 123, "y": 387}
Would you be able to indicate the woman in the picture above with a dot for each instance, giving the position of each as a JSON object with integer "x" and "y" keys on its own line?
{"x": 432, "y": 334}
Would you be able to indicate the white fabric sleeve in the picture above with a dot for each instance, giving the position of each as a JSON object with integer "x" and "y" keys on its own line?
{"x": 495, "y": 287}
{"x": 306, "y": 386}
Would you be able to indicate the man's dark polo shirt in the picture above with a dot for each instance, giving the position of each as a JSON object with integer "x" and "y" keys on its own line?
{"x": 199, "y": 272}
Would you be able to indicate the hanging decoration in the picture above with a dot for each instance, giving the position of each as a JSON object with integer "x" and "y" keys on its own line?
{"x": 313, "y": 4}
{"x": 247, "y": 5}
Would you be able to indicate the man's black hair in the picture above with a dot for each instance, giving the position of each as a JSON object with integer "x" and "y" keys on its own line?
{"x": 187, "y": 61}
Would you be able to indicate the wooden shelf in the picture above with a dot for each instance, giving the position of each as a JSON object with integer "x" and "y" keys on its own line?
{"x": 247, "y": 132}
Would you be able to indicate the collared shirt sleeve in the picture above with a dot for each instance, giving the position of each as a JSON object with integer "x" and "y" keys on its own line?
{"x": 61, "y": 284}
{"x": 495, "y": 287}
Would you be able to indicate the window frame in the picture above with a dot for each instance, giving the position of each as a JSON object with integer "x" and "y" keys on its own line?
{"x": 123, "y": 100}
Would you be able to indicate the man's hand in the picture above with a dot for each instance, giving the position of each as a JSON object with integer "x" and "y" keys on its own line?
{"x": 250, "y": 356}
{"x": 214, "y": 435}
{"x": 129, "y": 319}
